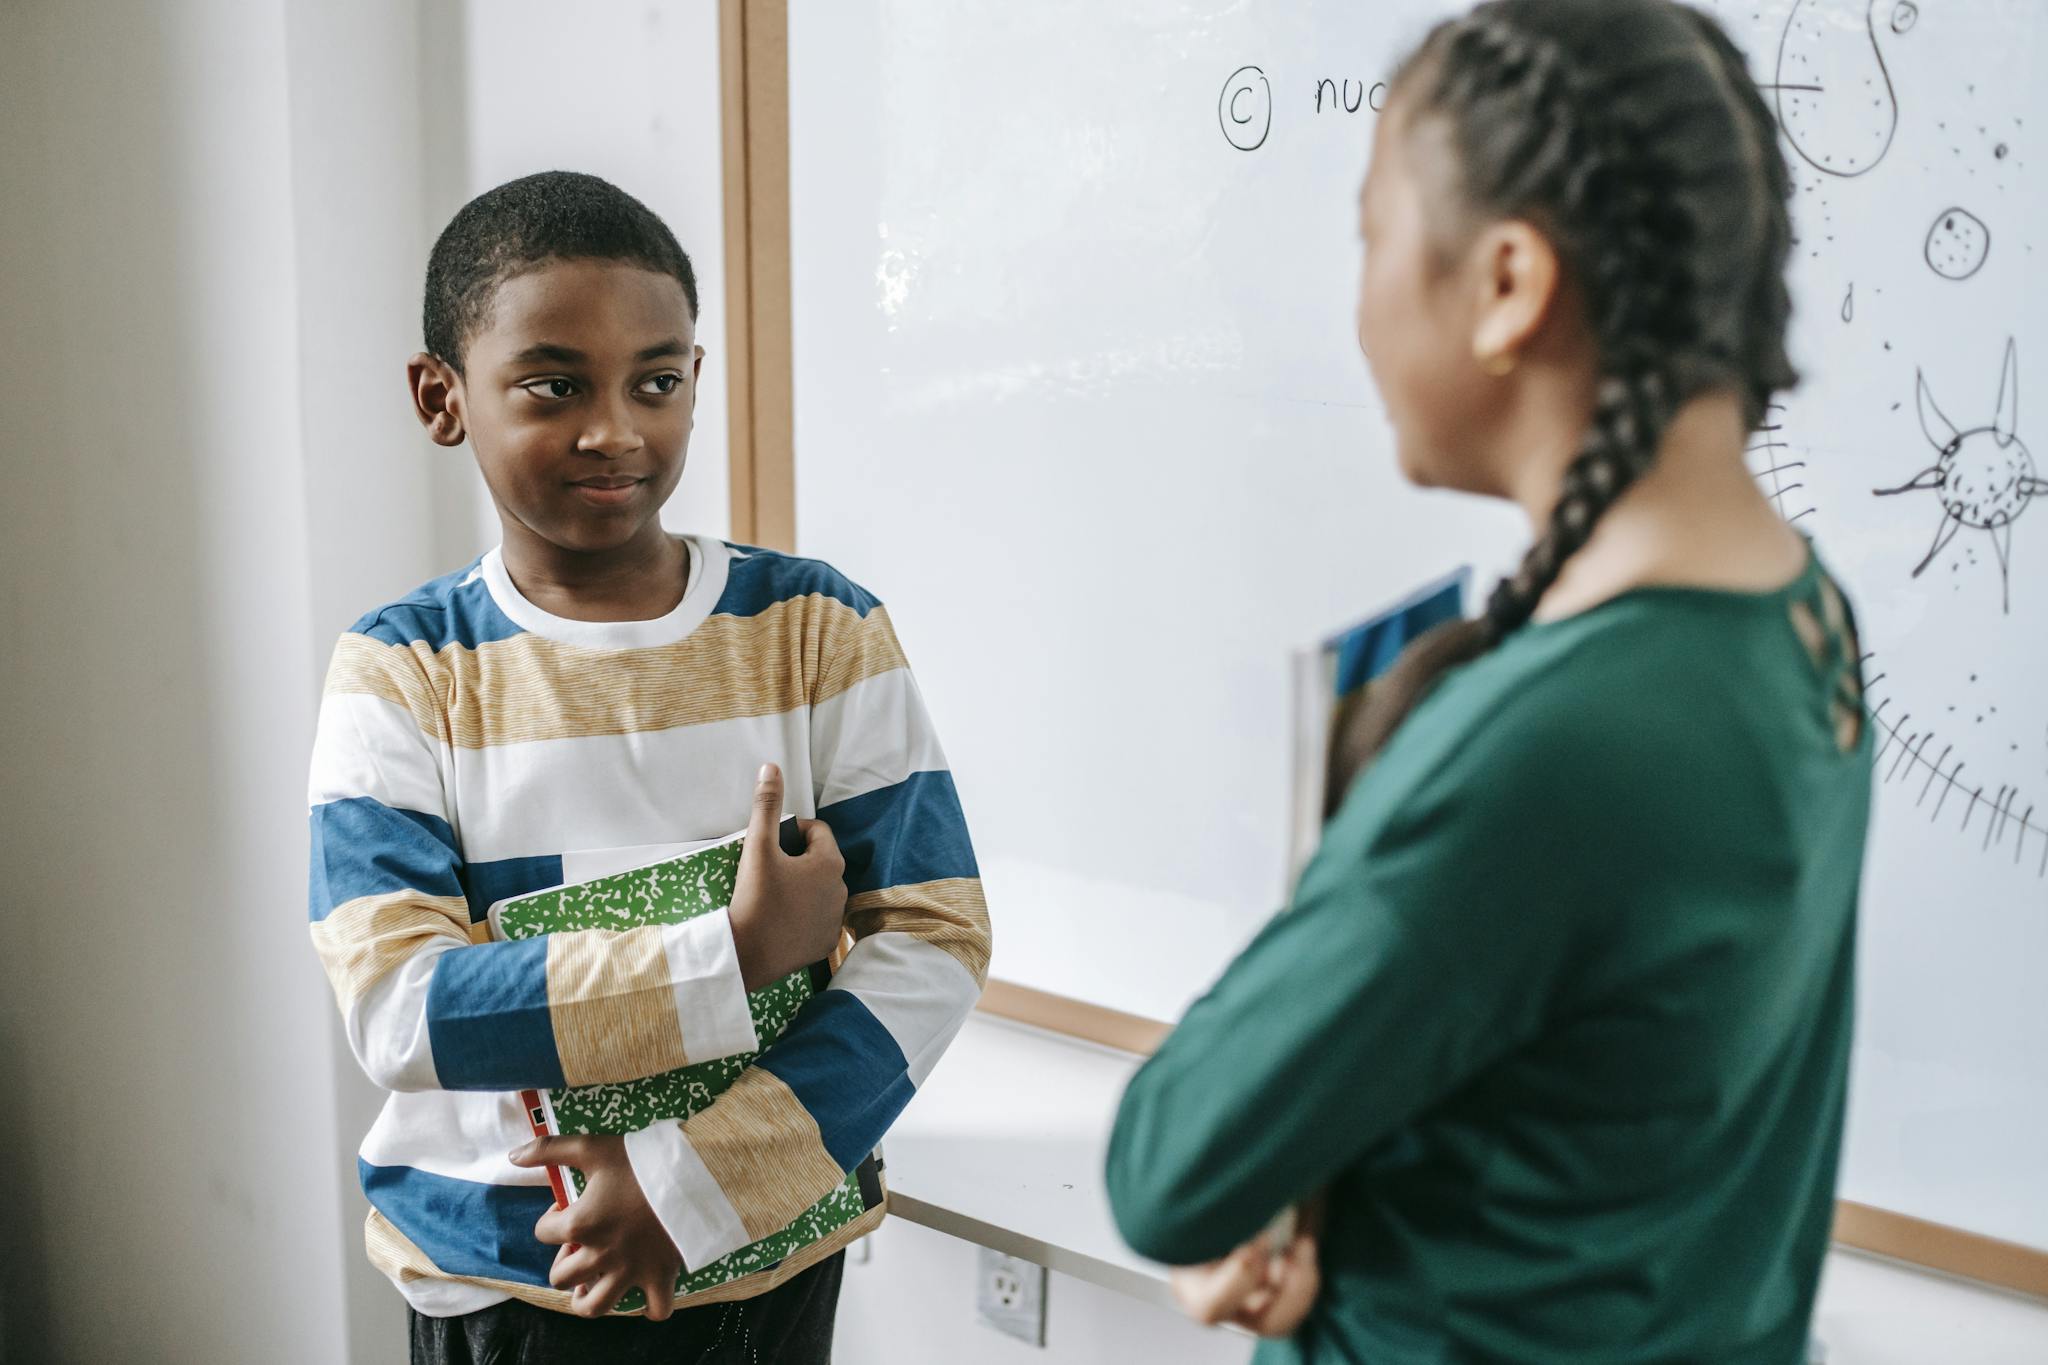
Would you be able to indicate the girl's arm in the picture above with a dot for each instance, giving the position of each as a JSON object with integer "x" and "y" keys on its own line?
{"x": 1416, "y": 953}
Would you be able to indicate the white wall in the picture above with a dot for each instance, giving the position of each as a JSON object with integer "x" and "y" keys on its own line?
{"x": 386, "y": 509}
{"x": 215, "y": 220}
{"x": 163, "y": 1025}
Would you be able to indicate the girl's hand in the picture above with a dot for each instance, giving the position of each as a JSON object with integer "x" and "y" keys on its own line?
{"x": 610, "y": 1240}
{"x": 1253, "y": 1288}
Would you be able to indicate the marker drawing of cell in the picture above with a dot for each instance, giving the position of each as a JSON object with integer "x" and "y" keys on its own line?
{"x": 1957, "y": 244}
{"x": 1983, "y": 476}
{"x": 1834, "y": 94}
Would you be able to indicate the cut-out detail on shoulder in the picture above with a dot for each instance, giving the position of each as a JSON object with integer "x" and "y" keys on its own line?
{"x": 1811, "y": 633}
{"x": 1830, "y": 638}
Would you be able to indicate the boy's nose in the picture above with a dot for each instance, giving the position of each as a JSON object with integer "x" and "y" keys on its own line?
{"x": 611, "y": 431}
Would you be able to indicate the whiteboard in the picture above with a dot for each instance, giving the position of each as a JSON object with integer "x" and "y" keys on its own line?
{"x": 1077, "y": 393}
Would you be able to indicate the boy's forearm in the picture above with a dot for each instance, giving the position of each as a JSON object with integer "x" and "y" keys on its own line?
{"x": 568, "y": 1009}
{"x": 824, "y": 1094}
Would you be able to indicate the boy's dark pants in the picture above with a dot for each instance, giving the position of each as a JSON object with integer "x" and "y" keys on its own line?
{"x": 789, "y": 1325}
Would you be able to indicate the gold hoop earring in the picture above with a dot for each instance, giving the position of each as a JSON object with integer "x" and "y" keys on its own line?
{"x": 1499, "y": 364}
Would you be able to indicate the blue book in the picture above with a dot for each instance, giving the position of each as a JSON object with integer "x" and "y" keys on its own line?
{"x": 1331, "y": 679}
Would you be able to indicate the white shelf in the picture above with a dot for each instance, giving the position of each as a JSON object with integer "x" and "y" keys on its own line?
{"x": 1004, "y": 1147}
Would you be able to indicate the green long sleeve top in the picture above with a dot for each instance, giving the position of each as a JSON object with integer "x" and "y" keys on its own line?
{"x": 1560, "y": 1014}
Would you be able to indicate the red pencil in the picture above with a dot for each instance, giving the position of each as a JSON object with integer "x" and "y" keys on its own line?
{"x": 542, "y": 1117}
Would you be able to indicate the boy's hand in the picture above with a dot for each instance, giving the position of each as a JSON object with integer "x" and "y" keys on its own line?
{"x": 611, "y": 1241}
{"x": 1253, "y": 1287}
{"x": 786, "y": 911}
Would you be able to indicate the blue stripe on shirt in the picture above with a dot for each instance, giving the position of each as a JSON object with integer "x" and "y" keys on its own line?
{"x": 904, "y": 834}
{"x": 454, "y": 609}
{"x": 845, "y": 1068}
{"x": 464, "y": 1227}
{"x": 756, "y": 580}
{"x": 487, "y": 1017}
{"x": 488, "y": 883}
{"x": 362, "y": 847}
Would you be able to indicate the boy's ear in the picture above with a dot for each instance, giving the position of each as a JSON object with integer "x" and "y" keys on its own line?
{"x": 436, "y": 398}
{"x": 696, "y": 376}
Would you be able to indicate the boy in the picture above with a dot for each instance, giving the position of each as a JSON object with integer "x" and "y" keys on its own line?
{"x": 592, "y": 695}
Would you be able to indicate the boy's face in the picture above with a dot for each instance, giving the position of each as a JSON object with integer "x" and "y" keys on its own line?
{"x": 578, "y": 395}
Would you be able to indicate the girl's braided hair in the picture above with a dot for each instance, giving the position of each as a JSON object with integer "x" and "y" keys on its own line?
{"x": 1630, "y": 133}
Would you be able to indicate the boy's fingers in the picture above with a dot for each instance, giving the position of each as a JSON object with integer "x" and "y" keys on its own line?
{"x": 661, "y": 1297}
{"x": 559, "y": 1151}
{"x": 553, "y": 1228}
{"x": 594, "y": 1300}
{"x": 767, "y": 812}
{"x": 573, "y": 1265}
{"x": 559, "y": 1226}
{"x": 818, "y": 837}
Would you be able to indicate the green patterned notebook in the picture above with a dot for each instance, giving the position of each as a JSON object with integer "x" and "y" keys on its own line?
{"x": 669, "y": 892}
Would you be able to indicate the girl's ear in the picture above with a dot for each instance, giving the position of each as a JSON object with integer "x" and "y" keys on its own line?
{"x": 436, "y": 398}
{"x": 1516, "y": 276}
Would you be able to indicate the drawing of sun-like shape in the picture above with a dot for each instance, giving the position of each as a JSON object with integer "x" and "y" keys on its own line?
{"x": 1984, "y": 477}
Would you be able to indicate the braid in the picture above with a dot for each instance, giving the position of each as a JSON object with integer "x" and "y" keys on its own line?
{"x": 1600, "y": 140}
{"x": 1769, "y": 313}
{"x": 1605, "y": 195}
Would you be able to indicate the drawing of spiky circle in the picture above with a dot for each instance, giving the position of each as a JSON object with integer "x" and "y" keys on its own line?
{"x": 1983, "y": 476}
{"x": 1985, "y": 484}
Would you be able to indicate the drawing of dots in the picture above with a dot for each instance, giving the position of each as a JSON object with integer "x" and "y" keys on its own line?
{"x": 1835, "y": 98}
{"x": 1245, "y": 108}
{"x": 1957, "y": 244}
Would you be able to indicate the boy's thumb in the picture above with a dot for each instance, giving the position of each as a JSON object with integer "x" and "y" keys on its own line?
{"x": 767, "y": 804}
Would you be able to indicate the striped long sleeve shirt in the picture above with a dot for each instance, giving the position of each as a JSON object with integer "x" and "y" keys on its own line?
{"x": 472, "y": 747}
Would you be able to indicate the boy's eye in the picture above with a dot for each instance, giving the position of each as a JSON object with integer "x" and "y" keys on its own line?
{"x": 666, "y": 382}
{"x": 552, "y": 387}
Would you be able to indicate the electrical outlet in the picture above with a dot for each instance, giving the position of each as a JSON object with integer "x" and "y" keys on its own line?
{"x": 1009, "y": 1295}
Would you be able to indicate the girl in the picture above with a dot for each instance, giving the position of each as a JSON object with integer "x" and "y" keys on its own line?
{"x": 1557, "y": 1024}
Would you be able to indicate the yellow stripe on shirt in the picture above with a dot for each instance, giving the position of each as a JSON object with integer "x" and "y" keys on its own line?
{"x": 796, "y": 653}
{"x": 363, "y": 939}
{"x": 950, "y": 915}
{"x": 764, "y": 1149}
{"x": 614, "y": 1009}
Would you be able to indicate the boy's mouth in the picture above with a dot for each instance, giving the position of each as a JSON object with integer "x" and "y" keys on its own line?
{"x": 607, "y": 490}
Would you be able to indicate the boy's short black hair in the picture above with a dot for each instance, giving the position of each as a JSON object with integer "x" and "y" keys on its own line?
{"x": 554, "y": 215}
